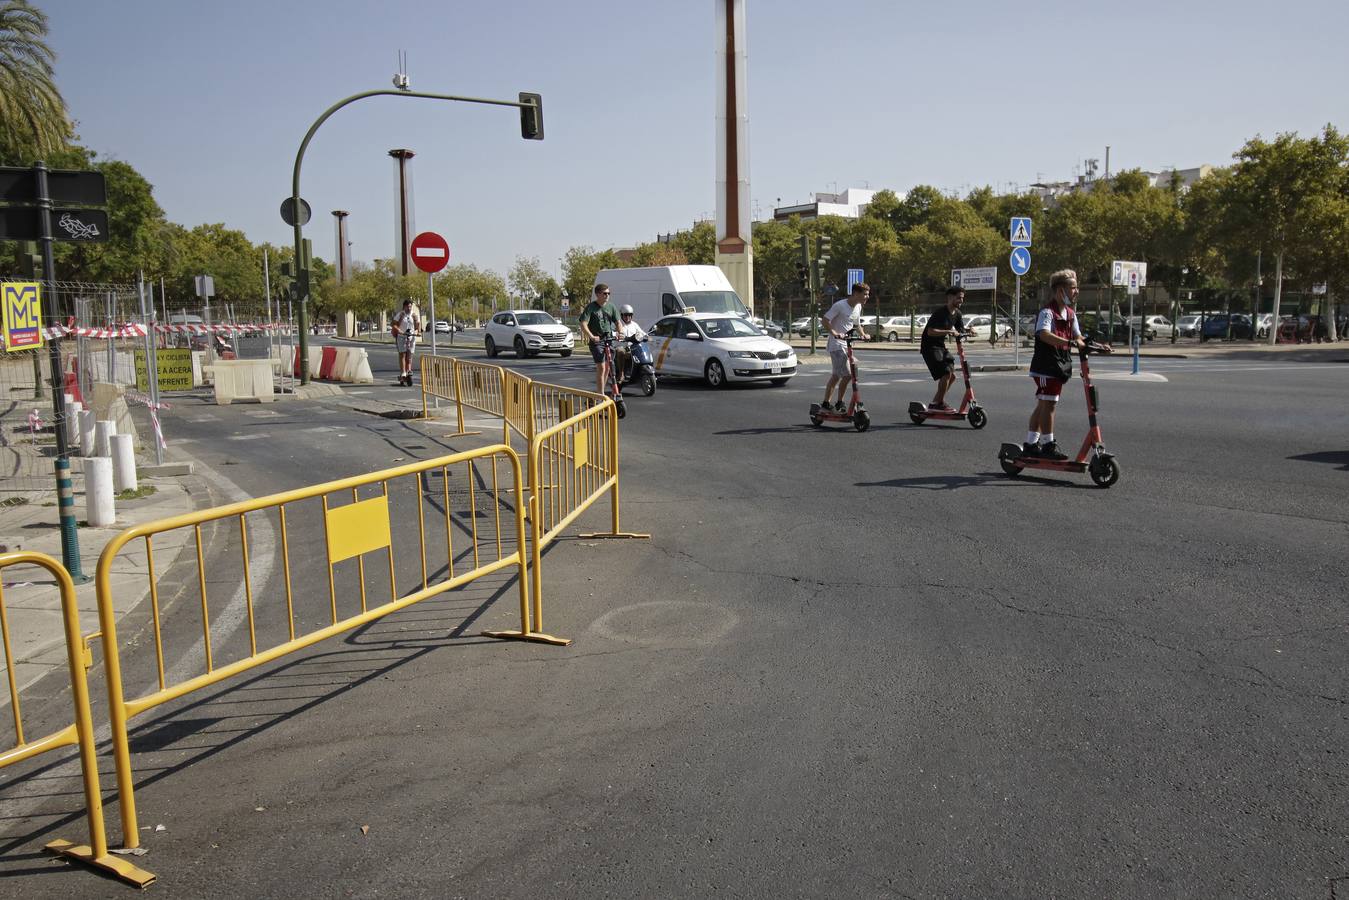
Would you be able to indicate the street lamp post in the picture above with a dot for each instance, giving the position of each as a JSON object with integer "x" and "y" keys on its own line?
{"x": 531, "y": 125}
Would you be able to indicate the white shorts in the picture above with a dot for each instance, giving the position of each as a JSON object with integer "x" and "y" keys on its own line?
{"x": 840, "y": 360}
{"x": 405, "y": 343}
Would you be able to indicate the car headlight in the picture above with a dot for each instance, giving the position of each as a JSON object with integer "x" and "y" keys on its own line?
{"x": 740, "y": 354}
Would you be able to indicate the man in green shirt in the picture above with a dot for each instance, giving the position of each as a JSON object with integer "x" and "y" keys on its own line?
{"x": 599, "y": 321}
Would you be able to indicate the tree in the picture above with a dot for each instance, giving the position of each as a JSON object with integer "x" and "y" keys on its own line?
{"x": 33, "y": 120}
{"x": 528, "y": 280}
{"x": 658, "y": 254}
{"x": 581, "y": 265}
{"x": 698, "y": 244}
{"x": 1278, "y": 185}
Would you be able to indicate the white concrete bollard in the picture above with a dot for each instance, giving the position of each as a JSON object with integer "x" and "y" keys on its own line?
{"x": 99, "y": 510}
{"x": 73, "y": 422}
{"x": 103, "y": 433}
{"x": 86, "y": 432}
{"x": 124, "y": 463}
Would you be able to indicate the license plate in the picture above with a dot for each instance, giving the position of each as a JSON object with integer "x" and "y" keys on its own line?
{"x": 775, "y": 370}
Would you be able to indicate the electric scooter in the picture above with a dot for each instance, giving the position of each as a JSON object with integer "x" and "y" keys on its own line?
{"x": 611, "y": 385}
{"x": 641, "y": 366}
{"x": 969, "y": 407}
{"x": 1092, "y": 458}
{"x": 857, "y": 413}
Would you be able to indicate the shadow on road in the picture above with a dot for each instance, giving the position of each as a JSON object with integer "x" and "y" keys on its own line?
{"x": 955, "y": 482}
{"x": 1334, "y": 457}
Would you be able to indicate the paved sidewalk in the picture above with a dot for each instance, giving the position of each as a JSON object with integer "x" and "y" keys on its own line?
{"x": 32, "y": 599}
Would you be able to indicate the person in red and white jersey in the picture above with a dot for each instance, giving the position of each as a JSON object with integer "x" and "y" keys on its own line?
{"x": 1056, "y": 336}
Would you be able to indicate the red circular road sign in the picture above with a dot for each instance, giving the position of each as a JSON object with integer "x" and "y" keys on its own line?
{"x": 430, "y": 252}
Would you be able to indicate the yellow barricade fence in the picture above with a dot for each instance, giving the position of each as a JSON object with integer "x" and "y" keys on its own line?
{"x": 80, "y": 733}
{"x": 355, "y": 528}
{"x": 573, "y": 449}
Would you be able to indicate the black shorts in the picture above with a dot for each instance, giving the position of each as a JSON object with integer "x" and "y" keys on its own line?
{"x": 939, "y": 361}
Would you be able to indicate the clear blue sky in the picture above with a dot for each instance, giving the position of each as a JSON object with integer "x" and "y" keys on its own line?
{"x": 210, "y": 100}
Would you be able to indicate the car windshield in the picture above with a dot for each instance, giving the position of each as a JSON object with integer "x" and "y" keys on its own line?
{"x": 535, "y": 318}
{"x": 729, "y": 327}
{"x": 715, "y": 302}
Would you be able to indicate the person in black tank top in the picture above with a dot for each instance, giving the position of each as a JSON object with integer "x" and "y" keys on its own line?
{"x": 1056, "y": 335}
{"x": 945, "y": 319}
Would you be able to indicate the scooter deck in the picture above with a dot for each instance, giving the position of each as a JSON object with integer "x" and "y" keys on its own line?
{"x": 1013, "y": 454}
{"x": 921, "y": 410}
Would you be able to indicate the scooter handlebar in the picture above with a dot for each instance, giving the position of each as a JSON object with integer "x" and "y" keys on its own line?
{"x": 1091, "y": 347}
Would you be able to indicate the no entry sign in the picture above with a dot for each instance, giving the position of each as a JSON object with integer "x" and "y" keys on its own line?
{"x": 430, "y": 252}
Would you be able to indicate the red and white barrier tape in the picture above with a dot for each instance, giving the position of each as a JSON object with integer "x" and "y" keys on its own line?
{"x": 54, "y": 332}
{"x": 138, "y": 397}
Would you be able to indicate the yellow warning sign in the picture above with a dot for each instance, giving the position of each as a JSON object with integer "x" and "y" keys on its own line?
{"x": 22, "y": 308}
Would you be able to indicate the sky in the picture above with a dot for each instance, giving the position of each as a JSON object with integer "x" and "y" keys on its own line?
{"x": 209, "y": 101}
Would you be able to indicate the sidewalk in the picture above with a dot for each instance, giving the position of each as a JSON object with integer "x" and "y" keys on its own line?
{"x": 32, "y": 599}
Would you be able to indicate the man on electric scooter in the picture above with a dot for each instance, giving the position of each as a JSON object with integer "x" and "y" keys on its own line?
{"x": 627, "y": 329}
{"x": 842, "y": 318}
{"x": 945, "y": 319}
{"x": 1056, "y": 335}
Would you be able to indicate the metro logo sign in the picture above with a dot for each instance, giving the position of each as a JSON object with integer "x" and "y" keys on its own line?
{"x": 21, "y": 304}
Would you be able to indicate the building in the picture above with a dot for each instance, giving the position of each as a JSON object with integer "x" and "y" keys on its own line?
{"x": 1050, "y": 191}
{"x": 850, "y": 204}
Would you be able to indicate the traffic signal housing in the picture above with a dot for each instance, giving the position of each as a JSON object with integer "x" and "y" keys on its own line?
{"x": 803, "y": 245}
{"x": 822, "y": 248}
{"x": 531, "y": 116}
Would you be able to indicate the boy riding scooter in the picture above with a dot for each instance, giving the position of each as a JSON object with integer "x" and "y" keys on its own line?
{"x": 1056, "y": 336}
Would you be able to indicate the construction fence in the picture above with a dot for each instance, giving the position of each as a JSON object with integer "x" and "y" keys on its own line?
{"x": 263, "y": 579}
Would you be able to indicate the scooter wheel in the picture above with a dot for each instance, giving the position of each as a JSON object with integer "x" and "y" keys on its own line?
{"x": 978, "y": 418}
{"x": 817, "y": 421}
{"x": 1104, "y": 471}
{"x": 622, "y": 409}
{"x": 917, "y": 419}
{"x": 1010, "y": 467}
{"x": 861, "y": 421}
{"x": 648, "y": 384}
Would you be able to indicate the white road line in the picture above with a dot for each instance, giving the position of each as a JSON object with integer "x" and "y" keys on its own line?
{"x": 246, "y": 437}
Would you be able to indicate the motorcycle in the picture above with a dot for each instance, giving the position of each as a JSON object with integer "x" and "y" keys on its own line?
{"x": 641, "y": 367}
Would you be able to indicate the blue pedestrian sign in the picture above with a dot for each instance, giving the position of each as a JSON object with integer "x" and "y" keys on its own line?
{"x": 855, "y": 276}
{"x": 1020, "y": 231}
{"x": 1020, "y": 261}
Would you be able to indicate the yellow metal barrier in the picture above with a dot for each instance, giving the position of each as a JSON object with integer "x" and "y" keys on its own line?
{"x": 80, "y": 733}
{"x": 354, "y": 528}
{"x": 518, "y": 403}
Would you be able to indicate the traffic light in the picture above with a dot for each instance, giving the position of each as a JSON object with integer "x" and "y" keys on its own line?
{"x": 822, "y": 248}
{"x": 803, "y": 274}
{"x": 531, "y": 116}
{"x": 803, "y": 244}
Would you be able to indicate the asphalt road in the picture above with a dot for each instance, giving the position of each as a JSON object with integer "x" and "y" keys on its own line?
{"x": 845, "y": 665}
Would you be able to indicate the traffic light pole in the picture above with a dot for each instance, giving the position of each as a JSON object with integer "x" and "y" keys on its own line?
{"x": 526, "y": 102}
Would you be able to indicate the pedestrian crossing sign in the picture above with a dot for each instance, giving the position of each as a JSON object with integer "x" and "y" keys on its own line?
{"x": 1021, "y": 231}
{"x": 21, "y": 306}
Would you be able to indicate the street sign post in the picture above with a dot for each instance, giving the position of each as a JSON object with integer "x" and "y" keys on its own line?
{"x": 1020, "y": 231}
{"x": 430, "y": 253}
{"x": 1020, "y": 263}
{"x": 984, "y": 278}
{"x": 1131, "y": 275}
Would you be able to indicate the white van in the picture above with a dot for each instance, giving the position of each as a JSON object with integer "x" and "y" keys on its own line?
{"x": 657, "y": 291}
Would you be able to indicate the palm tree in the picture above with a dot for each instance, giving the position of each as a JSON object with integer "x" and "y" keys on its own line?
{"x": 33, "y": 119}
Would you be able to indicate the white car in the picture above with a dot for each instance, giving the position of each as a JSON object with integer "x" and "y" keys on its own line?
{"x": 718, "y": 348}
{"x": 983, "y": 327}
{"x": 529, "y": 332}
{"x": 1159, "y": 325}
{"x": 897, "y": 328}
{"x": 1188, "y": 326}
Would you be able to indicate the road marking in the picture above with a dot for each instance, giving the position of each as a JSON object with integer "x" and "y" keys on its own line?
{"x": 360, "y": 392}
{"x": 261, "y": 413}
{"x": 246, "y": 437}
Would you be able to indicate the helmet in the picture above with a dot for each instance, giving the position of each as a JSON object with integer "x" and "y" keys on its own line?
{"x": 625, "y": 309}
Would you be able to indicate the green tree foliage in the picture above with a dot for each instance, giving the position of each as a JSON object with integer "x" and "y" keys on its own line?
{"x": 581, "y": 265}
{"x": 698, "y": 244}
{"x": 33, "y": 120}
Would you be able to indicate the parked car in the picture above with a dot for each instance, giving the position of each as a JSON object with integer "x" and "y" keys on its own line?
{"x": 1216, "y": 327}
{"x": 1160, "y": 325}
{"x": 1101, "y": 329}
{"x": 1188, "y": 325}
{"x": 802, "y": 326}
{"x": 441, "y": 326}
{"x": 1263, "y": 322}
{"x": 719, "y": 348}
{"x": 982, "y": 326}
{"x": 896, "y": 328}
{"x": 768, "y": 326}
{"x": 529, "y": 332}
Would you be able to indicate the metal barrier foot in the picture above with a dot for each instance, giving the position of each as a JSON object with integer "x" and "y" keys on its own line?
{"x": 460, "y": 433}
{"x": 624, "y": 535}
{"x": 535, "y": 636}
{"x": 115, "y": 866}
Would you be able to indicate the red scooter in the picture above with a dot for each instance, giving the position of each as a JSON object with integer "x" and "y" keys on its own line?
{"x": 969, "y": 407}
{"x": 1092, "y": 458}
{"x": 857, "y": 413}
